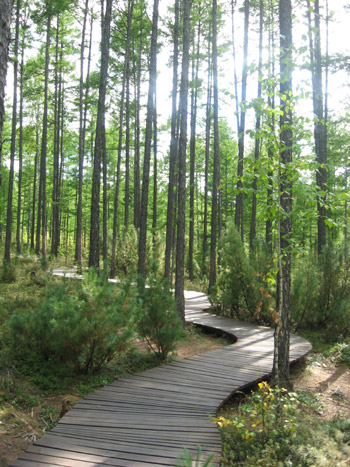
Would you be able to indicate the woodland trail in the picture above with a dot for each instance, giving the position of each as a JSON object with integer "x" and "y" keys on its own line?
{"x": 146, "y": 419}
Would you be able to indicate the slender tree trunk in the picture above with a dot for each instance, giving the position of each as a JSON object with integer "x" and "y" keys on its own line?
{"x": 194, "y": 99}
{"x": 13, "y": 141}
{"x": 127, "y": 118}
{"x": 36, "y": 161}
{"x": 100, "y": 143}
{"x": 155, "y": 171}
{"x": 233, "y": 4}
{"x": 5, "y": 35}
{"x": 282, "y": 332}
{"x": 173, "y": 149}
{"x": 207, "y": 153}
{"x": 320, "y": 134}
{"x": 181, "y": 217}
{"x": 239, "y": 213}
{"x": 271, "y": 124}
{"x": 117, "y": 183}
{"x": 57, "y": 117}
{"x": 41, "y": 219}
{"x": 20, "y": 153}
{"x": 120, "y": 142}
{"x": 137, "y": 197}
{"x": 104, "y": 205}
{"x": 252, "y": 233}
{"x": 216, "y": 174}
{"x": 82, "y": 124}
{"x": 148, "y": 141}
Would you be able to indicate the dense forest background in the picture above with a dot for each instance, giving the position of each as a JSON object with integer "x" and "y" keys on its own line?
{"x": 194, "y": 134}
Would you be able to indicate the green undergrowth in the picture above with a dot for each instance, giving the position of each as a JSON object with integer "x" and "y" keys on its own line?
{"x": 274, "y": 427}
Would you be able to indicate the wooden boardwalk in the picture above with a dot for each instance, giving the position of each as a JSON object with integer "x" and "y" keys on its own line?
{"x": 146, "y": 419}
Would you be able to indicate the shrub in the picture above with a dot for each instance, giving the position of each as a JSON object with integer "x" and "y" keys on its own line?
{"x": 321, "y": 292}
{"x": 275, "y": 428}
{"x": 83, "y": 330}
{"x": 8, "y": 272}
{"x": 127, "y": 251}
{"x": 241, "y": 290}
{"x": 158, "y": 322}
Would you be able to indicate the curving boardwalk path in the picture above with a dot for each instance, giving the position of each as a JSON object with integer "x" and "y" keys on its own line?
{"x": 147, "y": 419}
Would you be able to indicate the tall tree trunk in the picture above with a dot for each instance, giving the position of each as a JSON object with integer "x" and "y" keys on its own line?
{"x": 100, "y": 142}
{"x": 120, "y": 142}
{"x": 127, "y": 118}
{"x": 282, "y": 332}
{"x": 5, "y": 34}
{"x": 320, "y": 132}
{"x": 155, "y": 170}
{"x": 20, "y": 153}
{"x": 104, "y": 205}
{"x": 239, "y": 213}
{"x": 173, "y": 148}
{"x": 13, "y": 141}
{"x": 194, "y": 98}
{"x": 36, "y": 161}
{"x": 207, "y": 153}
{"x": 57, "y": 119}
{"x": 148, "y": 141}
{"x": 252, "y": 233}
{"x": 181, "y": 217}
{"x": 271, "y": 124}
{"x": 216, "y": 174}
{"x": 137, "y": 197}
{"x": 82, "y": 125}
{"x": 41, "y": 219}
{"x": 117, "y": 182}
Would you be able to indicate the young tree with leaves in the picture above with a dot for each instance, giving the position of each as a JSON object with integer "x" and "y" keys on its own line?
{"x": 282, "y": 332}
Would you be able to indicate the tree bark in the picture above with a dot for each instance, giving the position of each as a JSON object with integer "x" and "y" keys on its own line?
{"x": 173, "y": 149}
{"x": 282, "y": 332}
{"x": 148, "y": 141}
{"x": 206, "y": 163}
{"x": 127, "y": 117}
{"x": 100, "y": 141}
{"x": 239, "y": 213}
{"x": 13, "y": 142}
{"x": 252, "y": 233}
{"x": 20, "y": 154}
{"x": 194, "y": 99}
{"x": 78, "y": 240}
{"x": 137, "y": 198}
{"x": 181, "y": 218}
{"x": 5, "y": 24}
{"x": 320, "y": 127}
{"x": 216, "y": 174}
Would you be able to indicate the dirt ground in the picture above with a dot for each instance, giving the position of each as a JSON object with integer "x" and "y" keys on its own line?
{"x": 331, "y": 383}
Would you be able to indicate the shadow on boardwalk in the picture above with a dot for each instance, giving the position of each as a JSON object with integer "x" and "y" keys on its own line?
{"x": 147, "y": 419}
